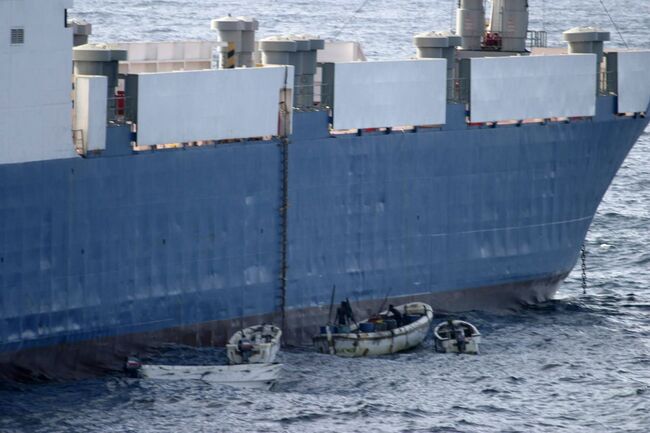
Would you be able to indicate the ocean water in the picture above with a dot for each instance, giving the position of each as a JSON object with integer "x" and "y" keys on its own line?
{"x": 580, "y": 363}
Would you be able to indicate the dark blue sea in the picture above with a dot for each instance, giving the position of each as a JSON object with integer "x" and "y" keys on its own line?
{"x": 580, "y": 363}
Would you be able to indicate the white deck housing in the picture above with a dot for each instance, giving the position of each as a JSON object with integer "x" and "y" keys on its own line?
{"x": 341, "y": 51}
{"x": 178, "y": 107}
{"x": 390, "y": 93}
{"x": 166, "y": 56}
{"x": 530, "y": 87}
{"x": 90, "y": 110}
{"x": 633, "y": 81}
{"x": 35, "y": 103}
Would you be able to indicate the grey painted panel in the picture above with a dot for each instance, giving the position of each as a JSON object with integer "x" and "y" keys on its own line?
{"x": 391, "y": 93}
{"x": 528, "y": 87}
{"x": 178, "y": 107}
{"x": 633, "y": 81}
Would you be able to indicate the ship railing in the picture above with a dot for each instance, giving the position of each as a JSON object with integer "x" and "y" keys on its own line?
{"x": 79, "y": 142}
{"x": 118, "y": 108}
{"x": 458, "y": 90}
{"x": 607, "y": 84}
{"x": 311, "y": 97}
{"x": 536, "y": 39}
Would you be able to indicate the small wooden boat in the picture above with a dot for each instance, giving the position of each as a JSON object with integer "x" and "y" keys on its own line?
{"x": 255, "y": 345}
{"x": 400, "y": 328}
{"x": 256, "y": 376}
{"x": 457, "y": 336}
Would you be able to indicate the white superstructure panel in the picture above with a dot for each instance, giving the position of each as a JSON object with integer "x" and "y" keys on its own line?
{"x": 178, "y": 107}
{"x": 35, "y": 104}
{"x": 341, "y": 51}
{"x": 90, "y": 110}
{"x": 633, "y": 81}
{"x": 166, "y": 56}
{"x": 529, "y": 87}
{"x": 391, "y": 93}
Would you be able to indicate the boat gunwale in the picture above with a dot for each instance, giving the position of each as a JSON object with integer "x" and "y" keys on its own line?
{"x": 424, "y": 320}
{"x": 199, "y": 367}
{"x": 275, "y": 330}
{"x": 261, "y": 345}
{"x": 437, "y": 335}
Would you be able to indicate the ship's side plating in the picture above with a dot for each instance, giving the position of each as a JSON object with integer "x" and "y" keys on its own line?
{"x": 431, "y": 213}
{"x": 136, "y": 243}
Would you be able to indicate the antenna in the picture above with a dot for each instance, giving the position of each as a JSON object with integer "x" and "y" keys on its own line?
{"x": 451, "y": 17}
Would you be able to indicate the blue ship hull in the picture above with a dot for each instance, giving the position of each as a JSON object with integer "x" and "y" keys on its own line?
{"x": 106, "y": 255}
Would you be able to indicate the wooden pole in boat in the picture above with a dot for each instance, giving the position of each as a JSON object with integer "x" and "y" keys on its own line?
{"x": 241, "y": 314}
{"x": 583, "y": 258}
{"x": 330, "y": 342}
{"x": 383, "y": 304}
{"x": 329, "y": 316}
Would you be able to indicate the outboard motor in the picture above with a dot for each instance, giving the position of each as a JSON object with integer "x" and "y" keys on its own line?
{"x": 245, "y": 348}
{"x": 132, "y": 367}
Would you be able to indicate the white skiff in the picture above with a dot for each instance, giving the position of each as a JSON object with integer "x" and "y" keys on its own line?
{"x": 356, "y": 344}
{"x": 457, "y": 336}
{"x": 257, "y": 376}
{"x": 254, "y": 345}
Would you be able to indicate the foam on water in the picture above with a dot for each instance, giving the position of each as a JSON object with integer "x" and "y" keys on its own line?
{"x": 580, "y": 364}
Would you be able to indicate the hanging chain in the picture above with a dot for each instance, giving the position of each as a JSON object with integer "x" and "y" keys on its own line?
{"x": 583, "y": 257}
{"x": 284, "y": 231}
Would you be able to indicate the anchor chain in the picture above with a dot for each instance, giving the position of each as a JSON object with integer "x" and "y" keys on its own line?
{"x": 583, "y": 258}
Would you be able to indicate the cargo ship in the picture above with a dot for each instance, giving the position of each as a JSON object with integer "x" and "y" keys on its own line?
{"x": 170, "y": 197}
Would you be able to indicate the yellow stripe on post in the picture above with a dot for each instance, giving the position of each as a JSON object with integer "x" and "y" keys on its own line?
{"x": 231, "y": 61}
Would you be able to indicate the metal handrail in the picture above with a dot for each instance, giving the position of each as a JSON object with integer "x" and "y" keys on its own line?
{"x": 458, "y": 90}
{"x": 78, "y": 141}
{"x": 608, "y": 83}
{"x": 317, "y": 95}
{"x": 536, "y": 39}
{"x": 117, "y": 109}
